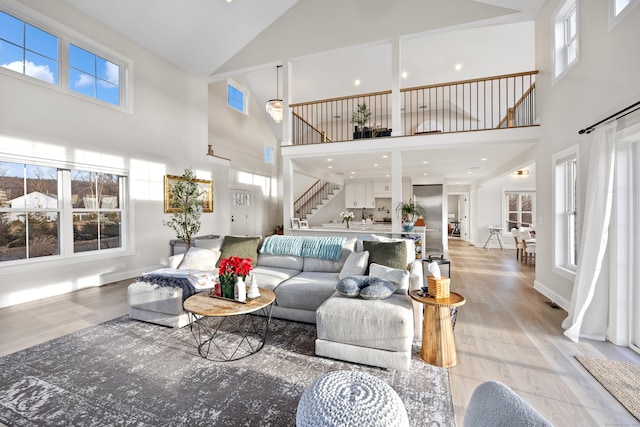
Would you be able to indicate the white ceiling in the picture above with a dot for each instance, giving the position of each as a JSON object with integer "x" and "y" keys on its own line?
{"x": 335, "y": 42}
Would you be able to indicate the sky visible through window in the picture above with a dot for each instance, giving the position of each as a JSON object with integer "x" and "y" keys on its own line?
{"x": 33, "y": 52}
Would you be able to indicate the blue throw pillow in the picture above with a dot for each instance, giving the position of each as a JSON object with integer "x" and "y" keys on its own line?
{"x": 350, "y": 286}
{"x": 378, "y": 289}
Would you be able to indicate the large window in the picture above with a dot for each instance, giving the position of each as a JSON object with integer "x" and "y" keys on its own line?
{"x": 565, "y": 37}
{"x": 48, "y": 211}
{"x": 565, "y": 208}
{"x": 35, "y": 52}
{"x": 520, "y": 207}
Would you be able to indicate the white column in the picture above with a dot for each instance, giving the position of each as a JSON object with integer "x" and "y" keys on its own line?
{"x": 396, "y": 190}
{"x": 396, "y": 117}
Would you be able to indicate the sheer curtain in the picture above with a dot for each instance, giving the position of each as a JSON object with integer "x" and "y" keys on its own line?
{"x": 593, "y": 242}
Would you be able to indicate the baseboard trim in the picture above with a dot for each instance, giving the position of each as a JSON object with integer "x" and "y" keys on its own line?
{"x": 552, "y": 295}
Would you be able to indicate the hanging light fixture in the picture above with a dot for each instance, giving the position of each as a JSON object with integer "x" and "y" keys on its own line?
{"x": 275, "y": 107}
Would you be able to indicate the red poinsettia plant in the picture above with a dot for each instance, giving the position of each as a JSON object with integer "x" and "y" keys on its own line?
{"x": 235, "y": 266}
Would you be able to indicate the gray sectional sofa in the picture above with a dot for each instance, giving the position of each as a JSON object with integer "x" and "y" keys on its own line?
{"x": 375, "y": 332}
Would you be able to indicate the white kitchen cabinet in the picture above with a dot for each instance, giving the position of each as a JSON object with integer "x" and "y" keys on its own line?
{"x": 382, "y": 189}
{"x": 358, "y": 195}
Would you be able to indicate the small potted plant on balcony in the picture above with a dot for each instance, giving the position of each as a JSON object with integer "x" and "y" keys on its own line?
{"x": 409, "y": 212}
{"x": 361, "y": 117}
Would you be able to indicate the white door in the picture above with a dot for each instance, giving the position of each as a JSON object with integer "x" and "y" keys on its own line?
{"x": 241, "y": 209}
{"x": 464, "y": 216}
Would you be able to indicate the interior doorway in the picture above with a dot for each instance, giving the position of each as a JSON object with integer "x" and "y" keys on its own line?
{"x": 458, "y": 215}
{"x": 241, "y": 212}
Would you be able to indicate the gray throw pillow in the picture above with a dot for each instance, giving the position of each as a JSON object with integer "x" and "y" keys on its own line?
{"x": 240, "y": 246}
{"x": 350, "y": 286}
{"x": 355, "y": 265}
{"x": 378, "y": 289}
{"x": 391, "y": 254}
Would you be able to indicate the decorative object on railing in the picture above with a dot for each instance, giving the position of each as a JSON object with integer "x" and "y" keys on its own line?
{"x": 620, "y": 114}
{"x": 469, "y": 105}
{"x": 275, "y": 107}
{"x": 314, "y": 196}
{"x": 332, "y": 119}
{"x": 478, "y": 104}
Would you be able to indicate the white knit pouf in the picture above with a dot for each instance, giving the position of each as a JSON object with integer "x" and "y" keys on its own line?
{"x": 350, "y": 398}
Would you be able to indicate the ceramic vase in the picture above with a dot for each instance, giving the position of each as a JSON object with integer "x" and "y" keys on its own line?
{"x": 241, "y": 290}
{"x": 254, "y": 292}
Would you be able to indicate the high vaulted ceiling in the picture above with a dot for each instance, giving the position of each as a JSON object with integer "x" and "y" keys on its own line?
{"x": 329, "y": 41}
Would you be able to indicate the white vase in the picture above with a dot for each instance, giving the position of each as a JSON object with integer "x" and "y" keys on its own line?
{"x": 241, "y": 290}
{"x": 254, "y": 292}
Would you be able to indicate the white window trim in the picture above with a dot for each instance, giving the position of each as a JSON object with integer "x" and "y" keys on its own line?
{"x": 558, "y": 227}
{"x": 558, "y": 37}
{"x": 245, "y": 98}
{"x": 69, "y": 258}
{"x": 616, "y": 19}
{"x": 505, "y": 217}
{"x": 66, "y": 35}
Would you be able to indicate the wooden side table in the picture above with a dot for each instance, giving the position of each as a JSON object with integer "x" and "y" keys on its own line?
{"x": 438, "y": 345}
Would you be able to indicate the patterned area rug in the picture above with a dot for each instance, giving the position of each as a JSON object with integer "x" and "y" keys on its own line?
{"x": 621, "y": 379}
{"x": 125, "y": 372}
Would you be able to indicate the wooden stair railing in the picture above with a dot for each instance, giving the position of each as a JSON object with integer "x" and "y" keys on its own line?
{"x": 511, "y": 118}
{"x": 314, "y": 196}
{"x": 301, "y": 123}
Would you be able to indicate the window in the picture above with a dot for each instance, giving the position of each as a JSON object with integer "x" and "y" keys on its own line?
{"x": 37, "y": 53}
{"x": 93, "y": 75}
{"x": 49, "y": 211}
{"x": 565, "y": 208}
{"x": 565, "y": 37}
{"x": 28, "y": 50}
{"x": 618, "y": 9}
{"x": 237, "y": 97}
{"x": 520, "y": 208}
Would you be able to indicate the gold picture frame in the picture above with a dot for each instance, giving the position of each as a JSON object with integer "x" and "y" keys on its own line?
{"x": 206, "y": 193}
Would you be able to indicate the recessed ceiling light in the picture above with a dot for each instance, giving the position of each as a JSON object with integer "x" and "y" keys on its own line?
{"x": 404, "y": 74}
{"x": 388, "y": 175}
{"x": 357, "y": 82}
{"x": 384, "y": 156}
{"x": 458, "y": 67}
{"x": 375, "y": 165}
{"x": 457, "y": 182}
{"x": 329, "y": 160}
{"x": 424, "y": 162}
{"x": 330, "y": 167}
{"x": 469, "y": 173}
{"x": 425, "y": 174}
{"x": 484, "y": 159}
{"x": 353, "y": 172}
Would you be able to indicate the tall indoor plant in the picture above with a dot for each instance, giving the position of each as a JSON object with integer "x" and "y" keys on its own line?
{"x": 186, "y": 196}
{"x": 361, "y": 117}
{"x": 409, "y": 212}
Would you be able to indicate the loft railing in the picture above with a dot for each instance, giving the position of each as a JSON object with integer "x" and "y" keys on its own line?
{"x": 314, "y": 196}
{"x": 469, "y": 105}
{"x": 333, "y": 118}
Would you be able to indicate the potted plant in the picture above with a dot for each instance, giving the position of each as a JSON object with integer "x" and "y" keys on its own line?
{"x": 409, "y": 212}
{"x": 186, "y": 221}
{"x": 361, "y": 117}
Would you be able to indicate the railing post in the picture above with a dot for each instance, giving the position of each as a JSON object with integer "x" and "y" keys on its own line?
{"x": 510, "y": 118}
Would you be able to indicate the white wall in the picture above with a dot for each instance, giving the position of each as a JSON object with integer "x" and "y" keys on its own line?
{"x": 166, "y": 133}
{"x": 604, "y": 81}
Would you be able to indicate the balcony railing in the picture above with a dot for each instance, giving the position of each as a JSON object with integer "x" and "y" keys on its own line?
{"x": 469, "y": 105}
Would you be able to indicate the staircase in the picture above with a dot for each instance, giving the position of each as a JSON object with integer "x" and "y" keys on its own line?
{"x": 315, "y": 198}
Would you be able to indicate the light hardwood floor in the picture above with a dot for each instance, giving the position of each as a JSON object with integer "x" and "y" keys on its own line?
{"x": 506, "y": 332}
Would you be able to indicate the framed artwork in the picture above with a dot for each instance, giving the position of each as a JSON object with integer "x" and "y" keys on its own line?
{"x": 304, "y": 223}
{"x": 295, "y": 222}
{"x": 206, "y": 193}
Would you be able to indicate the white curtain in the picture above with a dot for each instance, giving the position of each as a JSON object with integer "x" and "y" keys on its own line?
{"x": 595, "y": 233}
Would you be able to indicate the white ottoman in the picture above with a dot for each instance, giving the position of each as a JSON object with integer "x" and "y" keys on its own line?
{"x": 350, "y": 398}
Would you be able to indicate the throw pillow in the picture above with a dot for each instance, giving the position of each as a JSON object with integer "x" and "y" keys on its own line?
{"x": 355, "y": 265}
{"x": 199, "y": 259}
{"x": 397, "y": 276}
{"x": 212, "y": 244}
{"x": 175, "y": 260}
{"x": 378, "y": 289}
{"x": 411, "y": 245}
{"x": 391, "y": 254}
{"x": 240, "y": 246}
{"x": 350, "y": 286}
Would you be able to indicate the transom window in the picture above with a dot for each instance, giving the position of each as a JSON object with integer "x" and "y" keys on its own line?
{"x": 28, "y": 50}
{"x": 37, "y": 53}
{"x": 48, "y": 211}
{"x": 237, "y": 97}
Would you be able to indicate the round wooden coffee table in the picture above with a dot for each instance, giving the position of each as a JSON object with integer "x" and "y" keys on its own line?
{"x": 438, "y": 345}
{"x": 227, "y": 330}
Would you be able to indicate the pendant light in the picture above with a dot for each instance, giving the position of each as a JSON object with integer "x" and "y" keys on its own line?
{"x": 275, "y": 107}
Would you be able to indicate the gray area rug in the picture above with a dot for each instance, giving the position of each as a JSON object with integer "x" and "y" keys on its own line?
{"x": 125, "y": 372}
